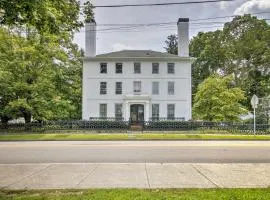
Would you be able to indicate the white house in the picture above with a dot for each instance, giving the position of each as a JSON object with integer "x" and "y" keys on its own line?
{"x": 137, "y": 84}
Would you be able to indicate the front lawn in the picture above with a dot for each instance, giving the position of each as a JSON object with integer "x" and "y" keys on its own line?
{"x": 121, "y": 136}
{"x": 137, "y": 194}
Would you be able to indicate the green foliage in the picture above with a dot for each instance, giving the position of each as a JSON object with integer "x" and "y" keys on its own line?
{"x": 88, "y": 11}
{"x": 172, "y": 44}
{"x": 217, "y": 100}
{"x": 30, "y": 83}
{"x": 46, "y": 16}
{"x": 40, "y": 67}
{"x": 241, "y": 49}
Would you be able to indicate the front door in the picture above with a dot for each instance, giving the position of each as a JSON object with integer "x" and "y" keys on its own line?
{"x": 137, "y": 113}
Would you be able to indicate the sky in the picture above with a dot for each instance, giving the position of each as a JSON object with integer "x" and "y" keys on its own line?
{"x": 153, "y": 37}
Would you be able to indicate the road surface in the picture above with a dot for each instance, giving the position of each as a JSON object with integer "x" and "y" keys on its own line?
{"x": 135, "y": 152}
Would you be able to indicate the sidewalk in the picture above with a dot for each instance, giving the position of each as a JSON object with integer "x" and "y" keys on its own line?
{"x": 152, "y": 175}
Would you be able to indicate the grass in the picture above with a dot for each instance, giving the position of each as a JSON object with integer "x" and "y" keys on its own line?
{"x": 138, "y": 194}
{"x": 195, "y": 135}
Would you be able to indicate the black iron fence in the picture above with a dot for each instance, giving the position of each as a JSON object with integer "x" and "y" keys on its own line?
{"x": 118, "y": 125}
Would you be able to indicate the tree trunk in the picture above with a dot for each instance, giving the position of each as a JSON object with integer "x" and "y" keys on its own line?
{"x": 4, "y": 121}
{"x": 27, "y": 118}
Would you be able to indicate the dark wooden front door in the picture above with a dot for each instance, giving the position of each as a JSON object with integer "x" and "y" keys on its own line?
{"x": 136, "y": 113}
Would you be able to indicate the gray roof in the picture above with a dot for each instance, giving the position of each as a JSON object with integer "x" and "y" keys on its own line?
{"x": 137, "y": 54}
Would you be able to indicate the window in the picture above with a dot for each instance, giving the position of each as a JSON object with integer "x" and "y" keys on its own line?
{"x": 118, "y": 68}
{"x": 171, "y": 88}
{"x": 155, "y": 111}
{"x": 103, "y": 68}
{"x": 170, "y": 68}
{"x": 155, "y": 87}
{"x": 137, "y": 87}
{"x": 155, "y": 68}
{"x": 103, "y": 87}
{"x": 118, "y": 111}
{"x": 103, "y": 110}
{"x": 137, "y": 68}
{"x": 170, "y": 111}
{"x": 118, "y": 88}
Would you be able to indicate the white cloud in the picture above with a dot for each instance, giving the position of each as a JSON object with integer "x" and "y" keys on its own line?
{"x": 252, "y": 6}
{"x": 223, "y": 5}
{"x": 119, "y": 47}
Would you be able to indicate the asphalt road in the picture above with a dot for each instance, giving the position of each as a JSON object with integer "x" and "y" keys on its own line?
{"x": 135, "y": 152}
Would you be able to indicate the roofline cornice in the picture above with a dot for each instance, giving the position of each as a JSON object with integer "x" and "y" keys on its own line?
{"x": 139, "y": 59}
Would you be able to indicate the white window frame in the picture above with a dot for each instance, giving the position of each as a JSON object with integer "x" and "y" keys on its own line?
{"x": 105, "y": 68}
{"x": 103, "y": 88}
{"x": 137, "y": 87}
{"x": 170, "y": 111}
{"x": 171, "y": 68}
{"x": 155, "y": 88}
{"x": 103, "y": 113}
{"x": 171, "y": 88}
{"x": 137, "y": 68}
{"x": 118, "y": 90}
{"x": 118, "y": 115}
{"x": 155, "y": 71}
{"x": 155, "y": 116}
{"x": 116, "y": 69}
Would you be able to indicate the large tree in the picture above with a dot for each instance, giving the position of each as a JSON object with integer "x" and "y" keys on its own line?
{"x": 172, "y": 44}
{"x": 40, "y": 67}
{"x": 30, "y": 69}
{"x": 241, "y": 49}
{"x": 218, "y": 100}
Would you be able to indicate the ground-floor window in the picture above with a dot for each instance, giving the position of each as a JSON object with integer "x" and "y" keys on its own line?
{"x": 118, "y": 111}
{"x": 103, "y": 110}
{"x": 155, "y": 111}
{"x": 170, "y": 111}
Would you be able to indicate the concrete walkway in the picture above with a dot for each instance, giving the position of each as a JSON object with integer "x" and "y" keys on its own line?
{"x": 139, "y": 175}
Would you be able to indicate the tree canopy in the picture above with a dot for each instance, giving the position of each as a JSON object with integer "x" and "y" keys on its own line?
{"x": 218, "y": 100}
{"x": 240, "y": 49}
{"x": 40, "y": 67}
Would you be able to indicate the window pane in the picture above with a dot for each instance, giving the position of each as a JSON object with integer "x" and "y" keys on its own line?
{"x": 103, "y": 110}
{"x": 155, "y": 88}
{"x": 103, "y": 88}
{"x": 170, "y": 68}
{"x": 137, "y": 87}
{"x": 155, "y": 68}
{"x": 155, "y": 111}
{"x": 103, "y": 68}
{"x": 170, "y": 111}
{"x": 118, "y": 88}
{"x": 118, "y": 68}
{"x": 118, "y": 111}
{"x": 171, "y": 88}
{"x": 137, "y": 68}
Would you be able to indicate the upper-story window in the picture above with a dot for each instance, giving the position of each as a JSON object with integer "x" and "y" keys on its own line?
{"x": 170, "y": 68}
{"x": 155, "y": 68}
{"x": 118, "y": 68}
{"x": 118, "y": 88}
{"x": 155, "y": 87}
{"x": 171, "y": 88}
{"x": 103, "y": 88}
{"x": 137, "y": 68}
{"x": 137, "y": 87}
{"x": 103, "y": 68}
